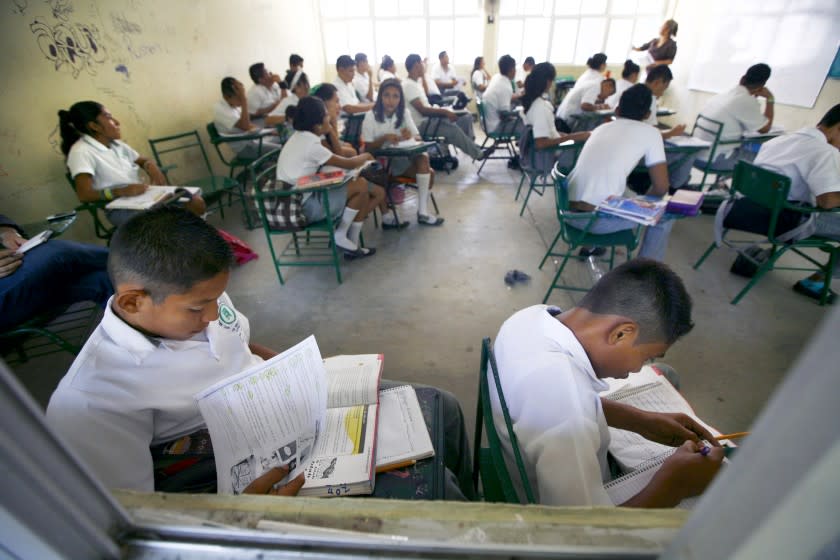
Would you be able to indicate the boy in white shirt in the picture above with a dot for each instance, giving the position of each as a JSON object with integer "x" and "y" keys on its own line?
{"x": 610, "y": 154}
{"x": 265, "y": 94}
{"x": 231, "y": 117}
{"x": 363, "y": 79}
{"x": 551, "y": 365}
{"x": 448, "y": 82}
{"x": 350, "y": 101}
{"x": 740, "y": 112}
{"x": 586, "y": 99}
{"x": 456, "y": 129}
{"x": 527, "y": 65}
{"x": 811, "y": 158}
{"x": 499, "y": 94}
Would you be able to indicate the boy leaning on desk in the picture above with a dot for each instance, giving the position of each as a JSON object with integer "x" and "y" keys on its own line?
{"x": 169, "y": 332}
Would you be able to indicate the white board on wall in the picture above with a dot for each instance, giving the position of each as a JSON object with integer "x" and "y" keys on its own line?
{"x": 797, "y": 38}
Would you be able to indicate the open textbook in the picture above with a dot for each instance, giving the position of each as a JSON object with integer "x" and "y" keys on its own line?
{"x": 332, "y": 177}
{"x": 317, "y": 416}
{"x": 153, "y": 197}
{"x": 403, "y": 435}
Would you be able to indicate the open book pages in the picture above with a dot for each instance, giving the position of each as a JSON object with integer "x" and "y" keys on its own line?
{"x": 625, "y": 487}
{"x": 403, "y": 435}
{"x": 646, "y": 210}
{"x": 268, "y": 415}
{"x": 647, "y": 390}
{"x": 688, "y": 141}
{"x": 34, "y": 241}
{"x": 409, "y": 143}
{"x": 774, "y": 131}
{"x": 154, "y": 195}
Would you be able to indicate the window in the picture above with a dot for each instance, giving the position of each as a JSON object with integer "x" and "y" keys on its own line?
{"x": 570, "y": 31}
{"x": 401, "y": 27}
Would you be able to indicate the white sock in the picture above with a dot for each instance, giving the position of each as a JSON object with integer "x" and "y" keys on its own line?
{"x": 354, "y": 232}
{"x": 423, "y": 191}
{"x": 341, "y": 238}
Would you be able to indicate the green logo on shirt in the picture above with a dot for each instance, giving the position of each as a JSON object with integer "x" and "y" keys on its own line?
{"x": 226, "y": 315}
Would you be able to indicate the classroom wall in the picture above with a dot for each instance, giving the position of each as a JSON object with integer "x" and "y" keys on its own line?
{"x": 156, "y": 64}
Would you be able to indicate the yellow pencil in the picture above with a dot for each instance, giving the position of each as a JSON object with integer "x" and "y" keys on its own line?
{"x": 736, "y": 435}
{"x": 387, "y": 468}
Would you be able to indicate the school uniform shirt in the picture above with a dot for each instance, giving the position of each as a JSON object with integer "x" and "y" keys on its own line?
{"x": 111, "y": 166}
{"x": 385, "y": 75}
{"x": 225, "y": 117}
{"x": 621, "y": 85}
{"x": 303, "y": 154}
{"x": 346, "y": 92}
{"x": 373, "y": 129}
{"x": 445, "y": 75}
{"x": 739, "y": 112}
{"x": 260, "y": 97}
{"x": 126, "y": 391}
{"x": 496, "y": 98}
{"x": 413, "y": 89}
{"x": 805, "y": 156}
{"x": 654, "y": 107}
{"x": 430, "y": 83}
{"x": 540, "y": 116}
{"x": 478, "y": 78}
{"x": 288, "y": 101}
{"x": 551, "y": 392}
{"x": 573, "y": 100}
{"x": 361, "y": 82}
{"x": 612, "y": 151}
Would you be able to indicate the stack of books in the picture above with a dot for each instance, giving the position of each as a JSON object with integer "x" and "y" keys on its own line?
{"x": 685, "y": 202}
{"x": 646, "y": 210}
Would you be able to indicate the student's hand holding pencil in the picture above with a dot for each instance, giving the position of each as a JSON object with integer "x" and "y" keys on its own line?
{"x": 690, "y": 469}
{"x": 673, "y": 428}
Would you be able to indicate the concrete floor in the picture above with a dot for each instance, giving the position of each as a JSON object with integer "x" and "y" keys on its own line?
{"x": 429, "y": 296}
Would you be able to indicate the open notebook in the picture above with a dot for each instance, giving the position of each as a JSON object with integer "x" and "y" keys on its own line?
{"x": 403, "y": 435}
{"x": 625, "y": 487}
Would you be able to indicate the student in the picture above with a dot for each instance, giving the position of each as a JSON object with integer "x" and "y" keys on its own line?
{"x": 350, "y": 102}
{"x": 53, "y": 274}
{"x": 103, "y": 167}
{"x": 629, "y": 76}
{"x": 596, "y": 65}
{"x": 527, "y": 66}
{"x": 294, "y": 71}
{"x": 658, "y": 80}
{"x": 448, "y": 82}
{"x": 811, "y": 158}
{"x": 456, "y": 129}
{"x": 587, "y": 99}
{"x": 363, "y": 79}
{"x": 169, "y": 332}
{"x": 158, "y": 344}
{"x": 305, "y": 153}
{"x": 301, "y": 90}
{"x": 539, "y": 113}
{"x": 740, "y": 112}
{"x": 231, "y": 117}
{"x": 479, "y": 78}
{"x": 551, "y": 365}
{"x": 663, "y": 49}
{"x": 265, "y": 94}
{"x": 389, "y": 123}
{"x": 499, "y": 94}
{"x": 612, "y": 151}
{"x": 387, "y": 69}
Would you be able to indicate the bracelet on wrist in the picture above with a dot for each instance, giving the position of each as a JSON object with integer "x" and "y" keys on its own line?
{"x": 771, "y": 100}
{"x": 106, "y": 194}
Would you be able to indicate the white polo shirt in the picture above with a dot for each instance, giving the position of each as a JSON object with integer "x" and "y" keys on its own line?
{"x": 260, "y": 97}
{"x": 346, "y": 92}
{"x": 572, "y": 102}
{"x": 621, "y": 85}
{"x": 373, "y": 129}
{"x": 805, "y": 156}
{"x": 739, "y": 112}
{"x": 111, "y": 166}
{"x": 478, "y": 78}
{"x": 439, "y": 73}
{"x": 496, "y": 98}
{"x": 552, "y": 396}
{"x": 361, "y": 82}
{"x": 301, "y": 155}
{"x": 288, "y": 101}
{"x": 412, "y": 90}
{"x": 540, "y": 116}
{"x": 126, "y": 391}
{"x": 654, "y": 106}
{"x": 225, "y": 118}
{"x": 385, "y": 75}
{"x": 430, "y": 83}
{"x": 612, "y": 151}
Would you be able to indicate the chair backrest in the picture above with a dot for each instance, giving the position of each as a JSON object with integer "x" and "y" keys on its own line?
{"x": 217, "y": 140}
{"x": 484, "y": 416}
{"x": 353, "y": 129}
{"x": 184, "y": 143}
{"x": 711, "y": 127}
{"x": 537, "y": 161}
{"x": 263, "y": 171}
{"x": 764, "y": 188}
{"x": 482, "y": 117}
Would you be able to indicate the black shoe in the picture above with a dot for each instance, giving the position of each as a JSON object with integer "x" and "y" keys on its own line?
{"x": 592, "y": 252}
{"x": 486, "y": 153}
{"x": 359, "y": 253}
{"x": 513, "y": 163}
{"x": 813, "y": 290}
{"x": 400, "y": 225}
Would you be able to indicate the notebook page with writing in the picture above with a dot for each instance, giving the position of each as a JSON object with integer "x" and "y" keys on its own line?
{"x": 625, "y": 487}
{"x": 403, "y": 434}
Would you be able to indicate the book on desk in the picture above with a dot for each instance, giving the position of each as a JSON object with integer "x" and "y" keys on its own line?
{"x": 642, "y": 209}
{"x": 153, "y": 197}
{"x": 318, "y": 417}
{"x": 332, "y": 177}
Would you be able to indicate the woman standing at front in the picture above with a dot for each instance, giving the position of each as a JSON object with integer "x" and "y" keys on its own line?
{"x": 662, "y": 49}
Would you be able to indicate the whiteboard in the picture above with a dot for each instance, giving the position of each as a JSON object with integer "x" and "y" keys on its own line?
{"x": 797, "y": 38}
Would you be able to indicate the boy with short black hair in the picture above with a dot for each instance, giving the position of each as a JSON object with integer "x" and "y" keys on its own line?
{"x": 232, "y": 117}
{"x": 551, "y": 365}
{"x": 266, "y": 92}
{"x": 363, "y": 79}
{"x": 351, "y": 103}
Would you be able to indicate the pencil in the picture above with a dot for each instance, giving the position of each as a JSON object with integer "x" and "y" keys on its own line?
{"x": 386, "y": 468}
{"x": 736, "y": 435}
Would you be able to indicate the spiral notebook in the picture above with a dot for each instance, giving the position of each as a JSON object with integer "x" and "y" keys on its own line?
{"x": 403, "y": 434}
{"x": 625, "y": 487}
